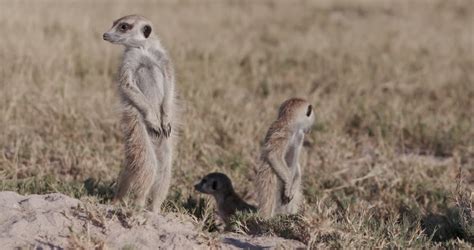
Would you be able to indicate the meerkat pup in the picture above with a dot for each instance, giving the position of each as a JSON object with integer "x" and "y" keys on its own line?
{"x": 146, "y": 87}
{"x": 279, "y": 173}
{"x": 228, "y": 202}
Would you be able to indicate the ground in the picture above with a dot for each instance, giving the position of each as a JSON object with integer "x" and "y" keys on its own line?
{"x": 58, "y": 221}
{"x": 390, "y": 162}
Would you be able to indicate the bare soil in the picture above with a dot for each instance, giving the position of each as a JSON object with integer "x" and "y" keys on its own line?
{"x": 58, "y": 221}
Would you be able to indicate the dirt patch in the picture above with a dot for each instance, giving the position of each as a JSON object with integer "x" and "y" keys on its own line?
{"x": 56, "y": 220}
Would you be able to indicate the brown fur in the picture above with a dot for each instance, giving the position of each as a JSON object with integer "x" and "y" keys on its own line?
{"x": 283, "y": 141}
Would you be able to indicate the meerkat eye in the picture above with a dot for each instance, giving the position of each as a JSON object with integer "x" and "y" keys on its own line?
{"x": 146, "y": 30}
{"x": 214, "y": 185}
{"x": 310, "y": 109}
{"x": 124, "y": 26}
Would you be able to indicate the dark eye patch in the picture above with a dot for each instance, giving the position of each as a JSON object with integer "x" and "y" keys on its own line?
{"x": 125, "y": 26}
{"x": 310, "y": 109}
{"x": 214, "y": 185}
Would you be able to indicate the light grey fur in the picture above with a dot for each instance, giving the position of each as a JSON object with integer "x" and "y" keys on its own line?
{"x": 146, "y": 86}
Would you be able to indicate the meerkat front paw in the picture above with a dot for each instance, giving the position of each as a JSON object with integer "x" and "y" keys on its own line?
{"x": 166, "y": 125}
{"x": 287, "y": 195}
{"x": 153, "y": 124}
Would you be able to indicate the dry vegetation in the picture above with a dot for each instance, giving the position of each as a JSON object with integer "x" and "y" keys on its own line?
{"x": 390, "y": 162}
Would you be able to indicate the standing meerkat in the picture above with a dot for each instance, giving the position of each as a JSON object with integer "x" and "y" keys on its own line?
{"x": 228, "y": 202}
{"x": 146, "y": 87}
{"x": 279, "y": 173}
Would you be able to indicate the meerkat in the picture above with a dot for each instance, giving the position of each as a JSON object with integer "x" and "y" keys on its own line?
{"x": 228, "y": 202}
{"x": 278, "y": 179}
{"x": 146, "y": 87}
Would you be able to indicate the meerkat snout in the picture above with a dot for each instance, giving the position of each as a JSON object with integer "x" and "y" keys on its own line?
{"x": 106, "y": 36}
{"x": 198, "y": 187}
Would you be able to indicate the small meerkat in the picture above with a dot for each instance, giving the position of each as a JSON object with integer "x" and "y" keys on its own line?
{"x": 146, "y": 87}
{"x": 228, "y": 202}
{"x": 278, "y": 179}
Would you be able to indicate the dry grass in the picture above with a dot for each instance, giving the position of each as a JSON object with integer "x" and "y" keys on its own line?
{"x": 392, "y": 82}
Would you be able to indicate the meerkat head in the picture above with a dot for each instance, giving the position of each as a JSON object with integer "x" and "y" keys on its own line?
{"x": 298, "y": 113}
{"x": 131, "y": 31}
{"x": 214, "y": 184}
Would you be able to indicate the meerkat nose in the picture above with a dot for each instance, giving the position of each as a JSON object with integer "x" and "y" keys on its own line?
{"x": 106, "y": 36}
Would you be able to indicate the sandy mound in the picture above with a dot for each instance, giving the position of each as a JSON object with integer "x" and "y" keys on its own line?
{"x": 58, "y": 221}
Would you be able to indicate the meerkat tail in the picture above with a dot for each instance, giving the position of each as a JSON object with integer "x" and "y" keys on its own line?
{"x": 267, "y": 181}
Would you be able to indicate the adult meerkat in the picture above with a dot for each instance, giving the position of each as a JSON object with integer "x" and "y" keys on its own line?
{"x": 228, "y": 202}
{"x": 146, "y": 86}
{"x": 279, "y": 173}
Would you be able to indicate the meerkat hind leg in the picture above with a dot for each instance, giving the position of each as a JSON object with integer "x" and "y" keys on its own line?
{"x": 162, "y": 180}
{"x": 140, "y": 192}
{"x": 123, "y": 185}
{"x": 147, "y": 177}
{"x": 140, "y": 171}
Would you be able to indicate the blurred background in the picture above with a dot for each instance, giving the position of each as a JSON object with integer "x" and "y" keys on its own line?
{"x": 392, "y": 83}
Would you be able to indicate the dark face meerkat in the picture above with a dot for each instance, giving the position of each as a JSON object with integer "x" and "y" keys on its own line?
{"x": 215, "y": 184}
{"x": 228, "y": 202}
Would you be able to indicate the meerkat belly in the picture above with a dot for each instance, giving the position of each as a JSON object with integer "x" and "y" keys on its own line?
{"x": 150, "y": 82}
{"x": 291, "y": 156}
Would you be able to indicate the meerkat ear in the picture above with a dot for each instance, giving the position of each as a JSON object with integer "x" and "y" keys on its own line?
{"x": 310, "y": 109}
{"x": 146, "y": 30}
